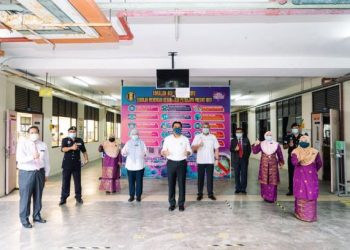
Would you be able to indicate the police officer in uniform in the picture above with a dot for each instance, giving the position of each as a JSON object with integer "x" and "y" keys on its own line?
{"x": 291, "y": 142}
{"x": 71, "y": 165}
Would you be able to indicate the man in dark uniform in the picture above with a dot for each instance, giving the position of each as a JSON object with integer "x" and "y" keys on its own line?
{"x": 291, "y": 142}
{"x": 71, "y": 165}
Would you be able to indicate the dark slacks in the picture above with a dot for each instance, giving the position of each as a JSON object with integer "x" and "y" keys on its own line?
{"x": 209, "y": 169}
{"x": 135, "y": 179}
{"x": 177, "y": 170}
{"x": 66, "y": 177}
{"x": 241, "y": 174}
{"x": 31, "y": 183}
{"x": 290, "y": 174}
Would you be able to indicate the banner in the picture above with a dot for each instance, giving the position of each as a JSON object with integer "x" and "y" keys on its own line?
{"x": 152, "y": 111}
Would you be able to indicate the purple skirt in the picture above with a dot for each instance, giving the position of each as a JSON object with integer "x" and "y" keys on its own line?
{"x": 269, "y": 192}
{"x": 306, "y": 210}
{"x": 110, "y": 175}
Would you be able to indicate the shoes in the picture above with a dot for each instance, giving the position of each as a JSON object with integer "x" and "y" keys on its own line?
{"x": 27, "y": 225}
{"x": 138, "y": 199}
{"x": 237, "y": 192}
{"x": 244, "y": 192}
{"x": 62, "y": 202}
{"x": 199, "y": 197}
{"x": 131, "y": 199}
{"x": 39, "y": 220}
{"x": 171, "y": 208}
{"x": 289, "y": 194}
{"x": 107, "y": 192}
{"x": 181, "y": 208}
{"x": 212, "y": 197}
{"x": 79, "y": 200}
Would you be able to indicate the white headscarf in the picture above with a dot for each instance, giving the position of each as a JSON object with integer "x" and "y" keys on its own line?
{"x": 269, "y": 147}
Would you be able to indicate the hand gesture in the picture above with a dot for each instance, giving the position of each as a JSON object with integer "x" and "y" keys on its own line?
{"x": 46, "y": 178}
{"x": 257, "y": 142}
{"x": 291, "y": 144}
{"x": 201, "y": 144}
{"x": 281, "y": 164}
{"x": 237, "y": 148}
{"x": 36, "y": 155}
{"x": 166, "y": 153}
{"x": 186, "y": 153}
{"x": 74, "y": 147}
{"x": 216, "y": 163}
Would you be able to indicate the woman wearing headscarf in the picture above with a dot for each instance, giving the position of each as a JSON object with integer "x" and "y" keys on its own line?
{"x": 307, "y": 161}
{"x": 270, "y": 162}
{"x": 135, "y": 151}
{"x": 110, "y": 166}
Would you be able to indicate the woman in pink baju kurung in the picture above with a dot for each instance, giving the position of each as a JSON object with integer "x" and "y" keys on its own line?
{"x": 110, "y": 166}
{"x": 271, "y": 160}
{"x": 307, "y": 161}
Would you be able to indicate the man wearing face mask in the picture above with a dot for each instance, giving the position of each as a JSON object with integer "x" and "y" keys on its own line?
{"x": 207, "y": 147}
{"x": 176, "y": 148}
{"x": 241, "y": 150}
{"x": 34, "y": 168}
{"x": 71, "y": 165}
{"x": 291, "y": 142}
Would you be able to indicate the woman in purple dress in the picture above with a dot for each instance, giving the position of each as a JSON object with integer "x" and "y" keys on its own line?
{"x": 110, "y": 166}
{"x": 270, "y": 162}
{"x": 307, "y": 161}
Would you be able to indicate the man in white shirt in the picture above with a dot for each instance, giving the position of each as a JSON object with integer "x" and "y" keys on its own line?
{"x": 206, "y": 146}
{"x": 34, "y": 168}
{"x": 176, "y": 148}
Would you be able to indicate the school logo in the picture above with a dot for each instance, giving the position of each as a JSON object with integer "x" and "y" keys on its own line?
{"x": 130, "y": 96}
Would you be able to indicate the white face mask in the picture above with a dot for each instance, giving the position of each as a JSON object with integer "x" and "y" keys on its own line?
{"x": 295, "y": 131}
{"x": 33, "y": 137}
{"x": 268, "y": 138}
{"x": 72, "y": 135}
{"x": 239, "y": 135}
{"x": 205, "y": 131}
{"x": 134, "y": 137}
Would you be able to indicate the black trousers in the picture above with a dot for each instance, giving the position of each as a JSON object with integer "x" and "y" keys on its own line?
{"x": 31, "y": 183}
{"x": 66, "y": 177}
{"x": 135, "y": 178}
{"x": 177, "y": 170}
{"x": 202, "y": 168}
{"x": 290, "y": 174}
{"x": 241, "y": 174}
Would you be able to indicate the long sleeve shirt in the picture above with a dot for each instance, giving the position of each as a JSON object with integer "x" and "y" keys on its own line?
{"x": 25, "y": 156}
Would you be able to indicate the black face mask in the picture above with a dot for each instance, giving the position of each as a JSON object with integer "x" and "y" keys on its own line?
{"x": 112, "y": 139}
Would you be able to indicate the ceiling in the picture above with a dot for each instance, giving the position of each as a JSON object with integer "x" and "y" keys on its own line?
{"x": 259, "y": 54}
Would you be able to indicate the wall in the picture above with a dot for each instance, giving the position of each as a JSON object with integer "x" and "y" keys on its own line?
{"x": 7, "y": 101}
{"x": 346, "y": 125}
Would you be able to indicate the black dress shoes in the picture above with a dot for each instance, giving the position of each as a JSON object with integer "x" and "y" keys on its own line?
{"x": 131, "y": 199}
{"x": 237, "y": 192}
{"x": 171, "y": 208}
{"x": 138, "y": 199}
{"x": 199, "y": 197}
{"x": 212, "y": 197}
{"x": 62, "y": 202}
{"x": 243, "y": 192}
{"x": 289, "y": 194}
{"x": 181, "y": 208}
{"x": 39, "y": 220}
{"x": 27, "y": 224}
{"x": 79, "y": 200}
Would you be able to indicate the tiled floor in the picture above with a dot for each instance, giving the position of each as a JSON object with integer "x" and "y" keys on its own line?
{"x": 231, "y": 222}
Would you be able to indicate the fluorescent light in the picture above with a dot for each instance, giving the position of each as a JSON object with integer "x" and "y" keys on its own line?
{"x": 235, "y": 96}
{"x": 116, "y": 97}
{"x": 80, "y": 82}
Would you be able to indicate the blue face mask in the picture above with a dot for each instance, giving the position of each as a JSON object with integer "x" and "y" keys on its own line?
{"x": 268, "y": 138}
{"x": 177, "y": 131}
{"x": 72, "y": 135}
{"x": 304, "y": 144}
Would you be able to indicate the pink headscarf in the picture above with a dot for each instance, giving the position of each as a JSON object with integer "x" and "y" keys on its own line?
{"x": 269, "y": 147}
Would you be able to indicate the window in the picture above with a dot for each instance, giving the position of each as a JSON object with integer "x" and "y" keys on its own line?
{"x": 243, "y": 121}
{"x": 118, "y": 126}
{"x": 262, "y": 117}
{"x": 64, "y": 115}
{"x": 110, "y": 125}
{"x": 288, "y": 112}
{"x": 27, "y": 100}
{"x": 325, "y": 99}
{"x": 91, "y": 118}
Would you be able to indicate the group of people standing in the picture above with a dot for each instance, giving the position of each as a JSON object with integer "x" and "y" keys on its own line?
{"x": 303, "y": 164}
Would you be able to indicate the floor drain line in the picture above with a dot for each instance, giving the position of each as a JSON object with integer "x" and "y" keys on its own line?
{"x": 281, "y": 206}
{"x": 227, "y": 245}
{"x": 229, "y": 204}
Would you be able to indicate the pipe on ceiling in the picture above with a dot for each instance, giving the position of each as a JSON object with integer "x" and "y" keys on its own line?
{"x": 41, "y": 83}
{"x": 11, "y": 7}
{"x": 304, "y": 2}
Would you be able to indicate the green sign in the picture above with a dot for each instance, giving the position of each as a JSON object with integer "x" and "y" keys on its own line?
{"x": 340, "y": 145}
